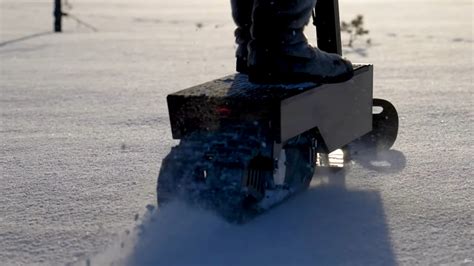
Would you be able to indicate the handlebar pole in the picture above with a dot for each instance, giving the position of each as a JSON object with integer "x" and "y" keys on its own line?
{"x": 328, "y": 29}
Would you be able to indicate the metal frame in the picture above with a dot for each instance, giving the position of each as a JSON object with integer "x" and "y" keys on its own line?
{"x": 341, "y": 112}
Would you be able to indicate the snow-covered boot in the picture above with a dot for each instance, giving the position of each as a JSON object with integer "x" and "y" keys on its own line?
{"x": 279, "y": 51}
{"x": 242, "y": 14}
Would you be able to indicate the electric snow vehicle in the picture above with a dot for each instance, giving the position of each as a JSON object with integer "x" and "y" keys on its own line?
{"x": 246, "y": 147}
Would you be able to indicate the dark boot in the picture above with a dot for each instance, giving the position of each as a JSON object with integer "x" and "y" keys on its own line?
{"x": 279, "y": 51}
{"x": 242, "y": 14}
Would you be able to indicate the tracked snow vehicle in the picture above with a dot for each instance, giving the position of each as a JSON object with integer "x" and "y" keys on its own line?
{"x": 245, "y": 147}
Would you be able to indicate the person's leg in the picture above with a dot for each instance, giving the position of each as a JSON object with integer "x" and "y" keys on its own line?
{"x": 279, "y": 51}
{"x": 242, "y": 14}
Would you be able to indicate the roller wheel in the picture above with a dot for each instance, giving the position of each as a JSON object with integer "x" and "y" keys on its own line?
{"x": 384, "y": 129}
{"x": 384, "y": 125}
{"x": 300, "y": 162}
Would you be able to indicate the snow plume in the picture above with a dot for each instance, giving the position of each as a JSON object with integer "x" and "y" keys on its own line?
{"x": 328, "y": 225}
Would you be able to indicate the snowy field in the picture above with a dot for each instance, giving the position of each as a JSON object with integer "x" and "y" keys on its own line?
{"x": 84, "y": 127}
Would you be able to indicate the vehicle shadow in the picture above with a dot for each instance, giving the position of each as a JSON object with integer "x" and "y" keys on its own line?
{"x": 326, "y": 225}
{"x": 390, "y": 161}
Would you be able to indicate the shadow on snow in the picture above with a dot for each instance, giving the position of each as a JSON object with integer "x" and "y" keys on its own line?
{"x": 25, "y": 38}
{"x": 326, "y": 225}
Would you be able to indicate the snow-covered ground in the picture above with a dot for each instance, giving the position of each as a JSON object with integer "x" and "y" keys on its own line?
{"x": 84, "y": 128}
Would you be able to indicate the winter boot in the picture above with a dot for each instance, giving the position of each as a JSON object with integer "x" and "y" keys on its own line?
{"x": 279, "y": 51}
{"x": 242, "y": 14}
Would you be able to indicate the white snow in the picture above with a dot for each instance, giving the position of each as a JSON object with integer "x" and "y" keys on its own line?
{"x": 84, "y": 127}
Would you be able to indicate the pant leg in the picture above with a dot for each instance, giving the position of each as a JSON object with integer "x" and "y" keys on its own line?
{"x": 278, "y": 25}
{"x": 242, "y": 15}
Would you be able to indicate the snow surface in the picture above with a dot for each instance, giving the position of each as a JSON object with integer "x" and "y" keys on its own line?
{"x": 84, "y": 127}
